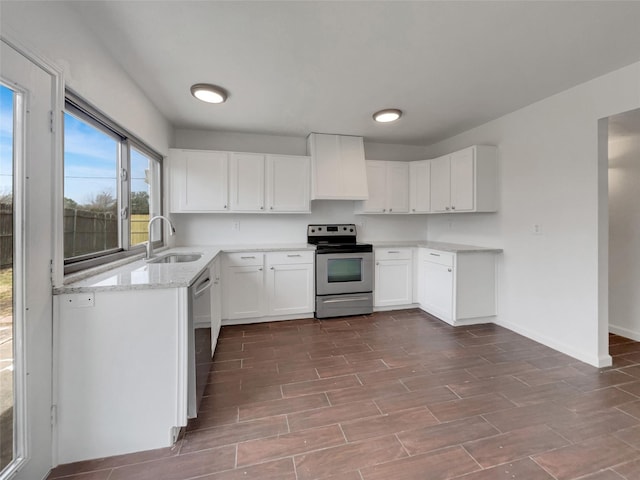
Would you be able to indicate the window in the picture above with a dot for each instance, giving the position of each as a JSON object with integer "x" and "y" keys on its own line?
{"x": 111, "y": 189}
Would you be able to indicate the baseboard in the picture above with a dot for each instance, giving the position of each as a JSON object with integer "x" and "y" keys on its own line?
{"x": 280, "y": 318}
{"x": 463, "y": 322}
{"x": 388, "y": 308}
{"x": 597, "y": 361}
{"x": 625, "y": 332}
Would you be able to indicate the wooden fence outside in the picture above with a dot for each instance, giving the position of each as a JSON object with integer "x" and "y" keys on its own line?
{"x": 6, "y": 235}
{"x": 84, "y": 232}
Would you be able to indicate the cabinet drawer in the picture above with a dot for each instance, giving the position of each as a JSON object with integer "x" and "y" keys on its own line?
{"x": 284, "y": 258}
{"x": 438, "y": 256}
{"x": 393, "y": 253}
{"x": 245, "y": 258}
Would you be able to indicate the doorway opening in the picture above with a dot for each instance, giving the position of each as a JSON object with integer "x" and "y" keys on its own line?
{"x": 624, "y": 229}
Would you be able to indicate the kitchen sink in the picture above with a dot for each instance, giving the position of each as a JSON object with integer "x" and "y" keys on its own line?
{"x": 177, "y": 258}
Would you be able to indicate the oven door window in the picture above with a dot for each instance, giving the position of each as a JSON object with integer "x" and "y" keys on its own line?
{"x": 344, "y": 270}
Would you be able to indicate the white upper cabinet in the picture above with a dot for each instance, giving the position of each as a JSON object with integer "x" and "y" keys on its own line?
{"x": 246, "y": 182}
{"x": 388, "y": 184}
{"x": 377, "y": 185}
{"x": 288, "y": 183}
{"x": 465, "y": 181}
{"x": 420, "y": 186}
{"x": 198, "y": 181}
{"x": 338, "y": 169}
{"x": 209, "y": 181}
{"x": 441, "y": 184}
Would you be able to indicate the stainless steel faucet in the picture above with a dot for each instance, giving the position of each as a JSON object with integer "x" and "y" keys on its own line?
{"x": 172, "y": 230}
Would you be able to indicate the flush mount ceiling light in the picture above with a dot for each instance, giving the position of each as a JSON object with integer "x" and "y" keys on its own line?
{"x": 209, "y": 93}
{"x": 387, "y": 115}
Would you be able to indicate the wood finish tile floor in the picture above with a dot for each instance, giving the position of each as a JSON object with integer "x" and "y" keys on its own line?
{"x": 398, "y": 395}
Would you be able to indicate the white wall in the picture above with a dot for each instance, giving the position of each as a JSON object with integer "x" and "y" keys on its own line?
{"x": 624, "y": 235}
{"x": 55, "y": 32}
{"x": 204, "y": 229}
{"x": 548, "y": 283}
{"x": 256, "y": 143}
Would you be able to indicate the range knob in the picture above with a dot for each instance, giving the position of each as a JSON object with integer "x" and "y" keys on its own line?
{"x": 351, "y": 229}
{"x": 313, "y": 230}
{"x": 344, "y": 228}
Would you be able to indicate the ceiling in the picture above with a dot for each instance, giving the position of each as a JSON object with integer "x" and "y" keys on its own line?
{"x": 296, "y": 67}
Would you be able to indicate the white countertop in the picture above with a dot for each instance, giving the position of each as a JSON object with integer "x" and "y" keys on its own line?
{"x": 139, "y": 274}
{"x": 443, "y": 246}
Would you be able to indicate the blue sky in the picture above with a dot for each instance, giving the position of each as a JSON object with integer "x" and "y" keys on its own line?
{"x": 90, "y": 157}
{"x": 6, "y": 140}
{"x": 91, "y": 162}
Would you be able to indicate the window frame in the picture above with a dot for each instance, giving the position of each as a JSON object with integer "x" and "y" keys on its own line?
{"x": 83, "y": 111}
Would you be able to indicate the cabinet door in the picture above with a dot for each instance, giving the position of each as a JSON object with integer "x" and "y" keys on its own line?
{"x": 437, "y": 290}
{"x": 440, "y": 184}
{"x": 377, "y": 184}
{"x": 462, "y": 180}
{"x": 353, "y": 176}
{"x": 243, "y": 289}
{"x": 393, "y": 285}
{"x": 216, "y": 304}
{"x": 246, "y": 181}
{"x": 290, "y": 289}
{"x": 420, "y": 186}
{"x": 200, "y": 181}
{"x": 288, "y": 181}
{"x": 398, "y": 187}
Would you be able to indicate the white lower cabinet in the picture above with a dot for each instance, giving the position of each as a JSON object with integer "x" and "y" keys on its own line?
{"x": 122, "y": 381}
{"x": 393, "y": 277}
{"x": 243, "y": 285}
{"x": 257, "y": 284}
{"x": 290, "y": 283}
{"x": 459, "y": 288}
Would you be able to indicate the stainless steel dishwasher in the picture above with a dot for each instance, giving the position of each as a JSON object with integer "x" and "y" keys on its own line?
{"x": 199, "y": 312}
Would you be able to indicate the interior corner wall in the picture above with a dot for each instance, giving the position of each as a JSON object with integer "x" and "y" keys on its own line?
{"x": 548, "y": 283}
{"x": 54, "y": 31}
{"x": 624, "y": 236}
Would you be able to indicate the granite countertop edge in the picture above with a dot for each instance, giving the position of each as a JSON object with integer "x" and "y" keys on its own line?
{"x": 137, "y": 274}
{"x": 442, "y": 246}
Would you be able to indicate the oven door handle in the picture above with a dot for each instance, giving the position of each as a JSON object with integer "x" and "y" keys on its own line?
{"x": 343, "y": 300}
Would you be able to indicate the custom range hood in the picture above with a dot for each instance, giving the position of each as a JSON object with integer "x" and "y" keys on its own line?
{"x": 338, "y": 169}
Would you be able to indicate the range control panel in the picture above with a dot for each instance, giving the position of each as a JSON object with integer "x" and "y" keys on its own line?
{"x": 333, "y": 230}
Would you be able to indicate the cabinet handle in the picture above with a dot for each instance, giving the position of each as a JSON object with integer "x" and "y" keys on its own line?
{"x": 271, "y": 207}
{"x": 390, "y": 210}
{"x": 448, "y": 269}
{"x": 453, "y": 207}
{"x": 260, "y": 269}
{"x": 393, "y": 251}
{"x": 434, "y": 254}
{"x": 377, "y": 263}
{"x": 446, "y": 208}
{"x": 384, "y": 210}
{"x": 247, "y": 258}
{"x": 225, "y": 207}
{"x": 262, "y": 207}
{"x": 414, "y": 209}
{"x": 273, "y": 268}
{"x": 294, "y": 255}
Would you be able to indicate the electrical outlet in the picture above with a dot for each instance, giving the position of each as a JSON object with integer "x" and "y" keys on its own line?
{"x": 536, "y": 229}
{"x": 236, "y": 226}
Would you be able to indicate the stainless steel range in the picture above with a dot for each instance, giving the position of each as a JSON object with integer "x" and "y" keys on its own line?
{"x": 344, "y": 271}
